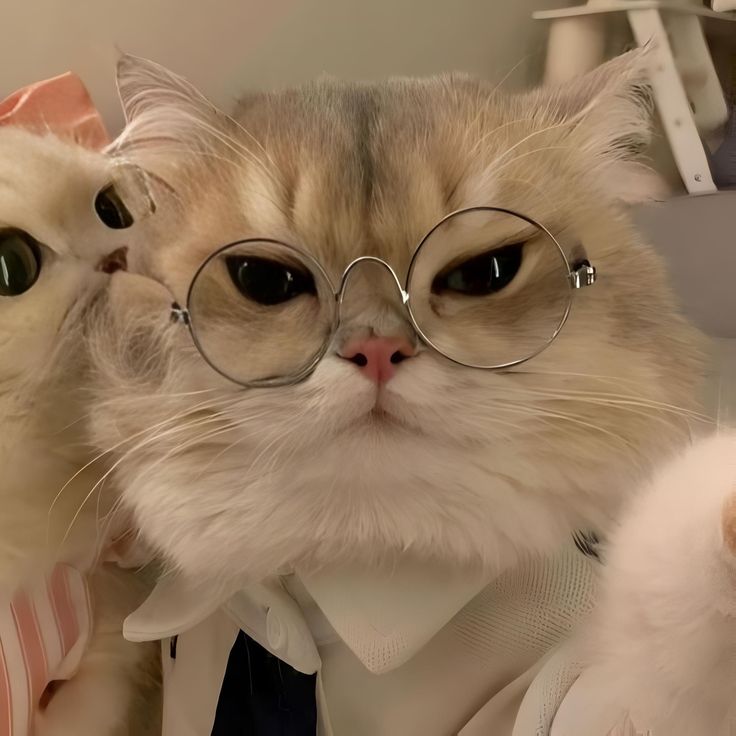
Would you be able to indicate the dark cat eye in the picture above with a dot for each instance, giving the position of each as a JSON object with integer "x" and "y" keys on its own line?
{"x": 20, "y": 262}
{"x": 111, "y": 210}
{"x": 268, "y": 282}
{"x": 482, "y": 275}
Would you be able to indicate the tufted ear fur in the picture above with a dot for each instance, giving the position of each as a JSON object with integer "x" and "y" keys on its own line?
{"x": 609, "y": 112}
{"x": 169, "y": 124}
{"x": 163, "y": 111}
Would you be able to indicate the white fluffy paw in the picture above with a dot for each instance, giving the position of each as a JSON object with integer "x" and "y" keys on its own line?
{"x": 662, "y": 643}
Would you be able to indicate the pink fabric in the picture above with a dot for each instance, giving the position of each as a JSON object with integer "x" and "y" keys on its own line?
{"x": 6, "y": 704}
{"x": 43, "y": 633}
{"x": 61, "y": 599}
{"x": 60, "y": 105}
{"x": 28, "y": 631}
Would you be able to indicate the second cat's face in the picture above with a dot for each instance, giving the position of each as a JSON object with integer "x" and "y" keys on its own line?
{"x": 53, "y": 249}
{"x": 442, "y": 460}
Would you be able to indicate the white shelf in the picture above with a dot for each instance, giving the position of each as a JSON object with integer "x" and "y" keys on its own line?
{"x": 685, "y": 83}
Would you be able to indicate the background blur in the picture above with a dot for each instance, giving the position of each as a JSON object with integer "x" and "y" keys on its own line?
{"x": 225, "y": 46}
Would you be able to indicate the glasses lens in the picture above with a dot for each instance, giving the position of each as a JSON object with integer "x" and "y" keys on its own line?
{"x": 261, "y": 311}
{"x": 489, "y": 288}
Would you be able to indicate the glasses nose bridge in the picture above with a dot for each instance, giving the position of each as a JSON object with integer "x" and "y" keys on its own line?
{"x": 346, "y": 274}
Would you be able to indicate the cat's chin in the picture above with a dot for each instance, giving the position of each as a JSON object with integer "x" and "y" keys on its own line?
{"x": 380, "y": 422}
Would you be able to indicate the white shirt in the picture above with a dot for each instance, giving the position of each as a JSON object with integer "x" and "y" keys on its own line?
{"x": 421, "y": 651}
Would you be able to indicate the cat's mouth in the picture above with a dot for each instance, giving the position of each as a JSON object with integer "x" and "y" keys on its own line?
{"x": 380, "y": 415}
{"x": 380, "y": 418}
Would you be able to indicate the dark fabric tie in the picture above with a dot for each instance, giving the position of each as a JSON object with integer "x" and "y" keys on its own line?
{"x": 263, "y": 696}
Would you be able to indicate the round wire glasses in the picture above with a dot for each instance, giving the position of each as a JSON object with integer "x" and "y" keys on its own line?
{"x": 486, "y": 287}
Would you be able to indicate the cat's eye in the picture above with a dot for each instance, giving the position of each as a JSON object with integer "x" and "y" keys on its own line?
{"x": 267, "y": 281}
{"x": 20, "y": 262}
{"x": 482, "y": 275}
{"x": 111, "y": 209}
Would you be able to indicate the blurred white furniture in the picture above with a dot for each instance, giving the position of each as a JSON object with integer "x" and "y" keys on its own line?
{"x": 696, "y": 237}
{"x": 687, "y": 91}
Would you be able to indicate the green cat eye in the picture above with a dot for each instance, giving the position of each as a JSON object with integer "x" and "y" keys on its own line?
{"x": 20, "y": 262}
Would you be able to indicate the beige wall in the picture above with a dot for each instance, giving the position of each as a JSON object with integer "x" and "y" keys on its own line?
{"x": 225, "y": 45}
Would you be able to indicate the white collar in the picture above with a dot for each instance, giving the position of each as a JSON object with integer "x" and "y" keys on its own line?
{"x": 384, "y": 617}
{"x": 174, "y": 606}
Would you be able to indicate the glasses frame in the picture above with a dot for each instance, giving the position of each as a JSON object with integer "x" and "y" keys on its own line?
{"x": 581, "y": 275}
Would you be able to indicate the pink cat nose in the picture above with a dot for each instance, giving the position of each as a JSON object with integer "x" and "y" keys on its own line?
{"x": 377, "y": 357}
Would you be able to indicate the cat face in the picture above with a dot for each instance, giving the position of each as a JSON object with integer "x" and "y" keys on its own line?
{"x": 59, "y": 222}
{"x": 442, "y": 460}
{"x": 62, "y": 227}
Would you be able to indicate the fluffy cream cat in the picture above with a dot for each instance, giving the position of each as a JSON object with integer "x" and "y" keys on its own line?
{"x": 662, "y": 644}
{"x": 60, "y": 228}
{"x": 459, "y": 464}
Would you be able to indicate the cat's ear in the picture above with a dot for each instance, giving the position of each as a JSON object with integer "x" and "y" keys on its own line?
{"x": 607, "y": 114}
{"x": 144, "y": 85}
{"x": 161, "y": 108}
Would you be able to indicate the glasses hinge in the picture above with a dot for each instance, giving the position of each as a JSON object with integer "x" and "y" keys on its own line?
{"x": 179, "y": 314}
{"x": 583, "y": 274}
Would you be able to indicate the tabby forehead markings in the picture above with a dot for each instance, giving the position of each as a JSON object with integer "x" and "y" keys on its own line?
{"x": 385, "y": 188}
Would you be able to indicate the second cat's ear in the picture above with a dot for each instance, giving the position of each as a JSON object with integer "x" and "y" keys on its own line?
{"x": 162, "y": 109}
{"x": 144, "y": 85}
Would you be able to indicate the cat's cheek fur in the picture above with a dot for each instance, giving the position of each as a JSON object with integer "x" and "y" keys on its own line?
{"x": 31, "y": 323}
{"x": 361, "y": 513}
{"x": 309, "y": 487}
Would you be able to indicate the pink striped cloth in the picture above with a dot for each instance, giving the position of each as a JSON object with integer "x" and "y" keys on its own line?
{"x": 43, "y": 634}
